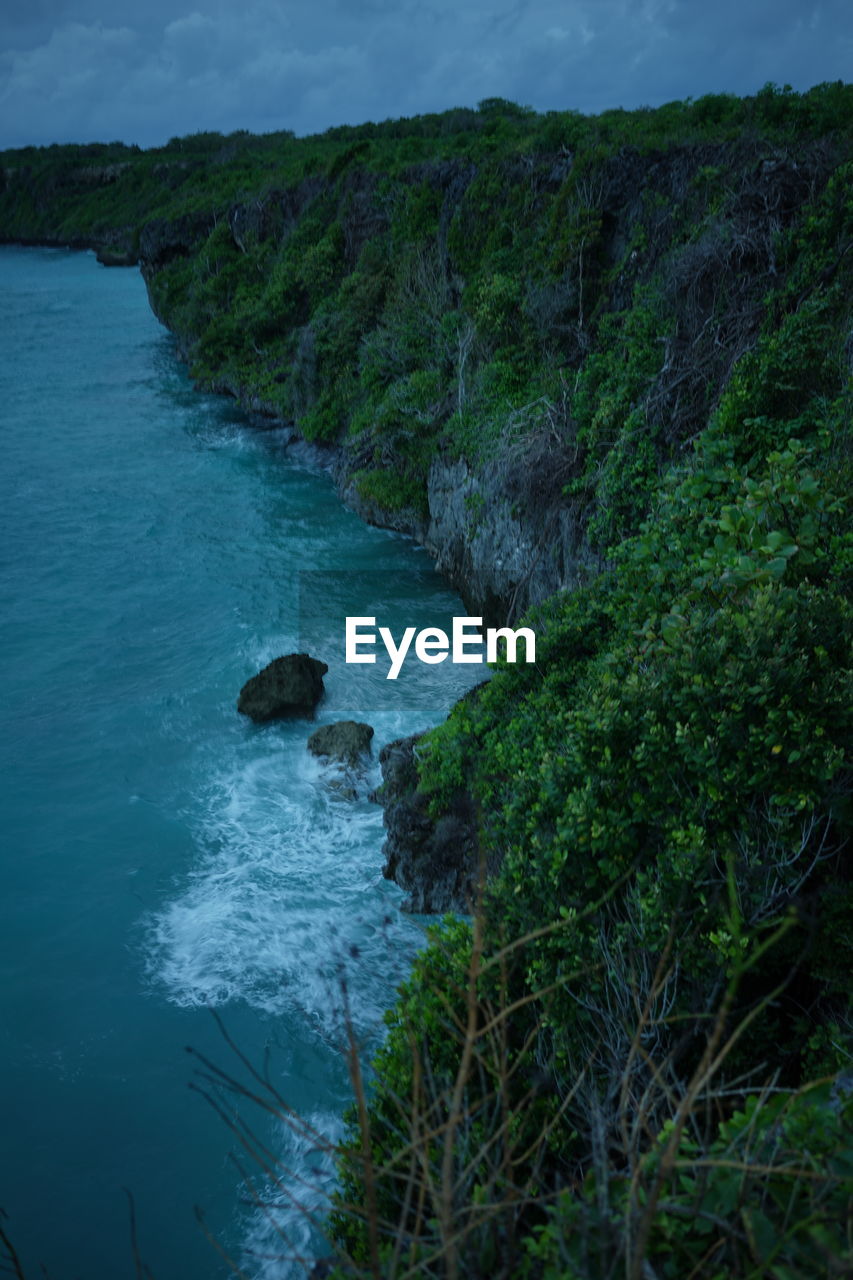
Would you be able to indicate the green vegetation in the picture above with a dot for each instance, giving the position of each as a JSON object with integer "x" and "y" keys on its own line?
{"x": 670, "y": 784}
{"x": 427, "y": 283}
{"x": 635, "y": 1060}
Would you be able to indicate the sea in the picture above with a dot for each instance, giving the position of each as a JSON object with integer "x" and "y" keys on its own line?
{"x": 194, "y": 924}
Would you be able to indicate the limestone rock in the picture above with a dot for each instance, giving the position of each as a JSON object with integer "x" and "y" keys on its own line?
{"x": 346, "y": 740}
{"x": 434, "y": 860}
{"x": 504, "y": 534}
{"x": 289, "y": 686}
{"x": 109, "y": 256}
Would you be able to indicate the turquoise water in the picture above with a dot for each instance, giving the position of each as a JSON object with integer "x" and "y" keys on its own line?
{"x": 160, "y": 855}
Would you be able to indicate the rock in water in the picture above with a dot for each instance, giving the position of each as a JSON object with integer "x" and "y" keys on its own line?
{"x": 434, "y": 860}
{"x": 289, "y": 686}
{"x": 347, "y": 740}
{"x": 109, "y": 256}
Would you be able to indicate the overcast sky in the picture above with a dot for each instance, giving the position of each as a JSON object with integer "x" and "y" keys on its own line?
{"x": 86, "y": 70}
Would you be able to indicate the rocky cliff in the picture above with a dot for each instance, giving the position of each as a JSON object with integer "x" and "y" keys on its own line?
{"x": 500, "y": 329}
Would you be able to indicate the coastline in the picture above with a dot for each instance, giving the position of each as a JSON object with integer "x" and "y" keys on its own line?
{"x": 661, "y": 396}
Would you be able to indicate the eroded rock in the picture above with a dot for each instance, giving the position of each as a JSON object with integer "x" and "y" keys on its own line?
{"x": 108, "y": 256}
{"x": 288, "y": 686}
{"x": 435, "y": 861}
{"x": 346, "y": 740}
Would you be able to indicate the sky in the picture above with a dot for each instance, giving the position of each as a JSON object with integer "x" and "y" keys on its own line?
{"x": 105, "y": 70}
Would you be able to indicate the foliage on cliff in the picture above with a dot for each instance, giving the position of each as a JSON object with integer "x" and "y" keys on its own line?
{"x": 635, "y": 1061}
{"x": 668, "y": 792}
{"x": 461, "y": 282}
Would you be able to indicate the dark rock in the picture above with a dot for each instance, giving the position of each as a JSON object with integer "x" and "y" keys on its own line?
{"x": 163, "y": 240}
{"x": 289, "y": 686}
{"x": 347, "y": 740}
{"x": 109, "y": 257}
{"x": 436, "y": 861}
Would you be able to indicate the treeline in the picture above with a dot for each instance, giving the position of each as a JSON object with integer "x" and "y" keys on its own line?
{"x": 635, "y": 1058}
{"x": 437, "y": 282}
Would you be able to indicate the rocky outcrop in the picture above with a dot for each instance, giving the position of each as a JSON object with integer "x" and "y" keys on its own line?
{"x": 434, "y": 860}
{"x": 407, "y": 520}
{"x": 505, "y": 536}
{"x": 163, "y": 239}
{"x": 110, "y": 257}
{"x": 347, "y": 741}
{"x": 288, "y": 686}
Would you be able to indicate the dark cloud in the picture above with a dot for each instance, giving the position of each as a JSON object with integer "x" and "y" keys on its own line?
{"x": 145, "y": 73}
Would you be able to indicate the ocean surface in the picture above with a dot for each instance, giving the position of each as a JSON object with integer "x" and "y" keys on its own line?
{"x": 165, "y": 863}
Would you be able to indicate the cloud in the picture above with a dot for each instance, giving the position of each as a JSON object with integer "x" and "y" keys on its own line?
{"x": 72, "y": 76}
{"x": 147, "y": 74}
{"x": 71, "y": 52}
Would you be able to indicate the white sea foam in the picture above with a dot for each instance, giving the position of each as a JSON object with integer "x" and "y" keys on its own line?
{"x": 286, "y": 903}
{"x": 286, "y": 911}
{"x": 285, "y": 1226}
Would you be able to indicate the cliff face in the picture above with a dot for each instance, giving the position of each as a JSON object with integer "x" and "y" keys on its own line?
{"x": 435, "y": 861}
{"x": 508, "y": 400}
{"x": 505, "y": 516}
{"x": 502, "y": 556}
{"x": 506, "y": 326}
{"x": 501, "y": 531}
{"x": 504, "y": 552}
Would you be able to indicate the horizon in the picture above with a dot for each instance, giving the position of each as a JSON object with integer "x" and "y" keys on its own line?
{"x": 240, "y": 132}
{"x": 178, "y": 70}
